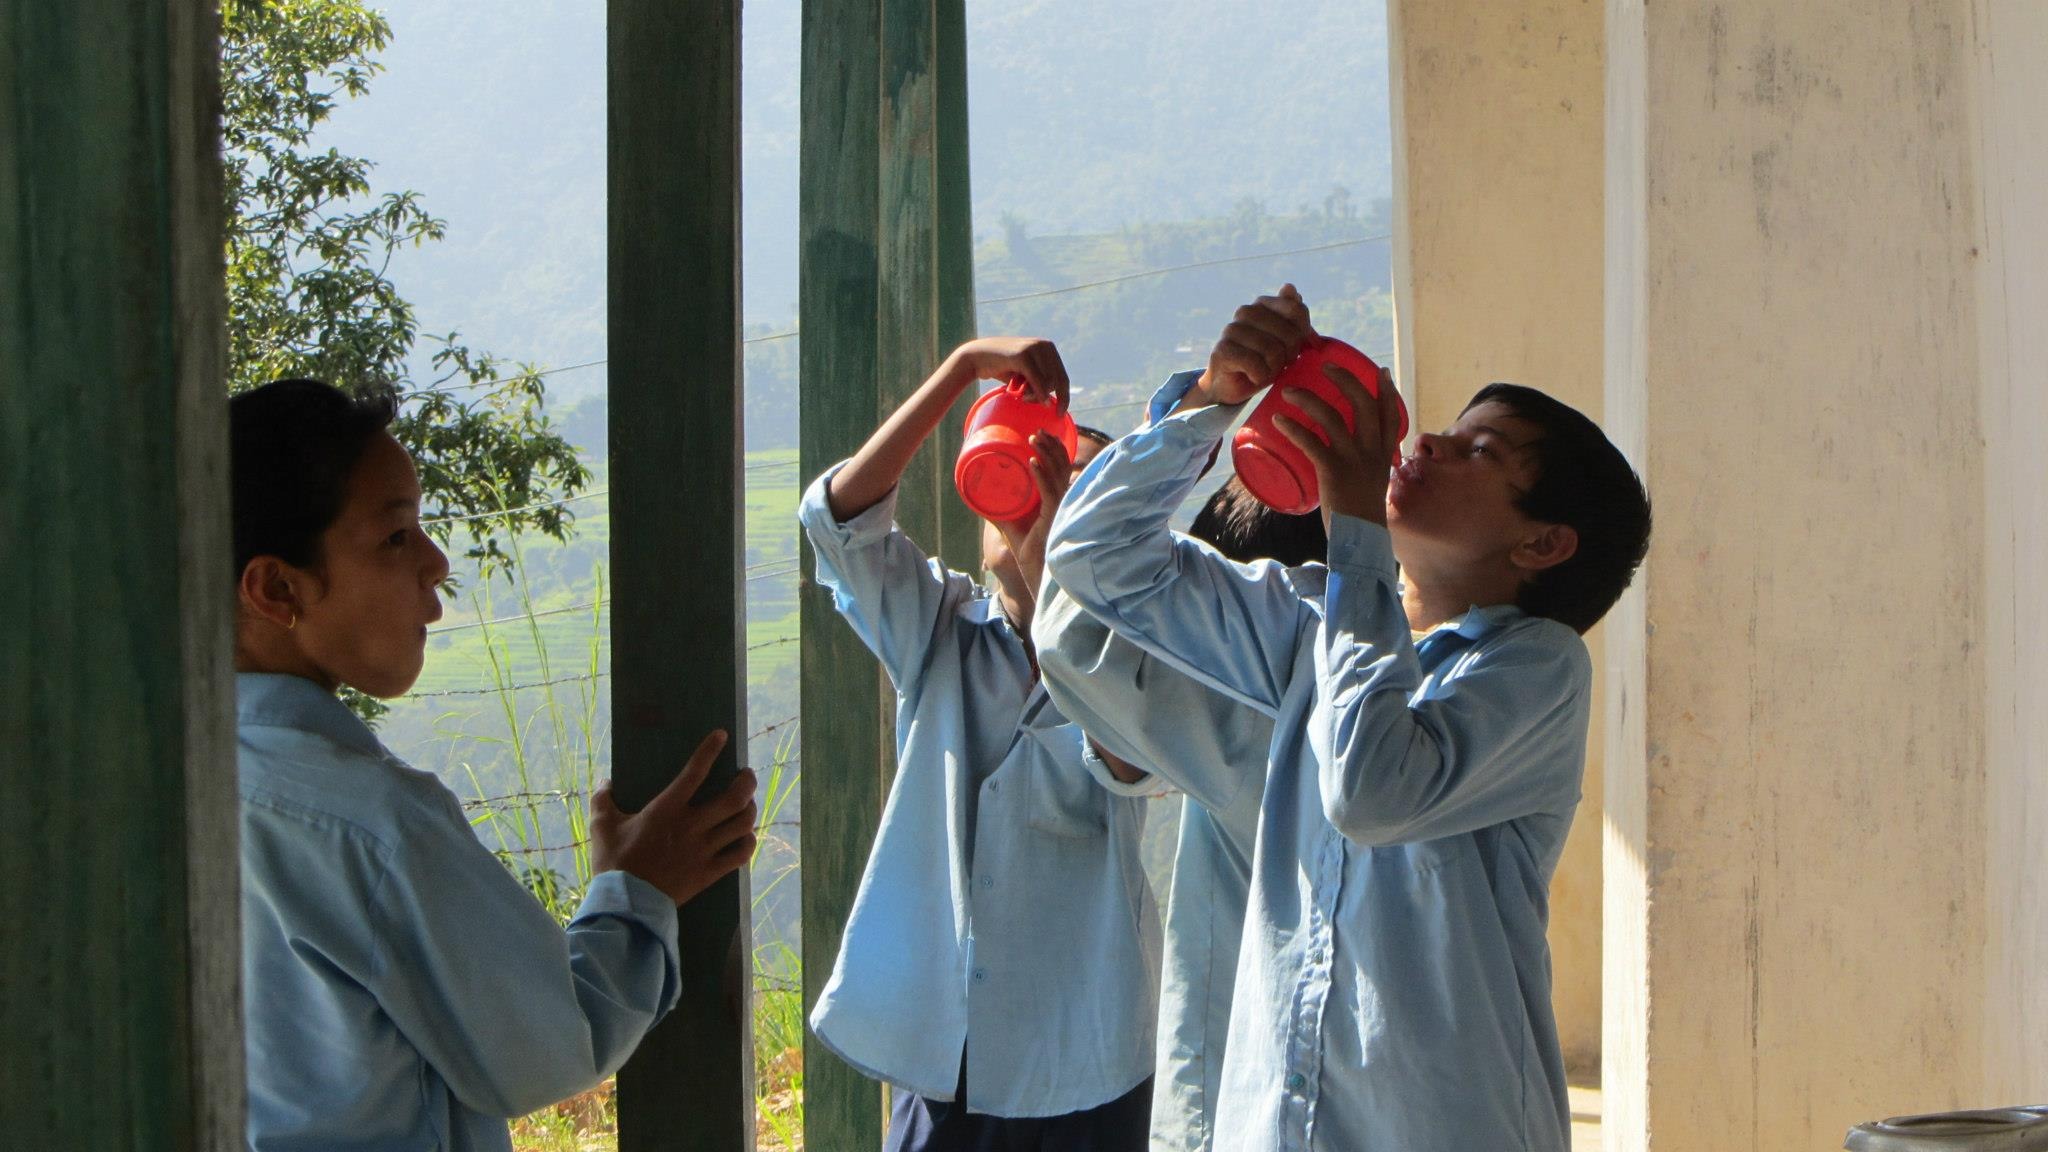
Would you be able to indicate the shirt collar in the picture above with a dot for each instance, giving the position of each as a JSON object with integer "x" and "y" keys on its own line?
{"x": 271, "y": 700}
{"x": 1478, "y": 623}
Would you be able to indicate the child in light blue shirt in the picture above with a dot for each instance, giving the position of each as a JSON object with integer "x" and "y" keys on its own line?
{"x": 1393, "y": 986}
{"x": 402, "y": 991}
{"x": 1213, "y": 750}
{"x": 1000, "y": 963}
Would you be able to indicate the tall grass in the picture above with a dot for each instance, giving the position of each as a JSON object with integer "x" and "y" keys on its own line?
{"x": 556, "y": 746}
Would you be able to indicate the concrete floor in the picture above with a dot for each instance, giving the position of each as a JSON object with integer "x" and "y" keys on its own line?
{"x": 1585, "y": 1119}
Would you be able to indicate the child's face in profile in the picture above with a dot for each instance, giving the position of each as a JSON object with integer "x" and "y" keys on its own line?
{"x": 377, "y": 583}
{"x": 1452, "y": 501}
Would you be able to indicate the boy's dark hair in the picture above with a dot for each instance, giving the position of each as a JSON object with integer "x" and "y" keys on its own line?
{"x": 292, "y": 445}
{"x": 1235, "y": 523}
{"x": 1095, "y": 434}
{"x": 1582, "y": 481}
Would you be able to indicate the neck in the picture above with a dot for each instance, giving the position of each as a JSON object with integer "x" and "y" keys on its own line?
{"x": 276, "y": 654}
{"x": 1018, "y": 607}
{"x": 1431, "y": 598}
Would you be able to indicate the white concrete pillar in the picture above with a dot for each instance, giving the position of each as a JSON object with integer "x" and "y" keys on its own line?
{"x": 2010, "y": 47}
{"x": 1497, "y": 276}
{"x": 1797, "y": 354}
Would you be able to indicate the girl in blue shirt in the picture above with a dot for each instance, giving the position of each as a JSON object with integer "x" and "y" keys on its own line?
{"x": 401, "y": 989}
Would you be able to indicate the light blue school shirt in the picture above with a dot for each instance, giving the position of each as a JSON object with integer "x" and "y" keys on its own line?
{"x": 1393, "y": 988}
{"x": 1214, "y": 751}
{"x": 402, "y": 990}
{"x": 1004, "y": 910}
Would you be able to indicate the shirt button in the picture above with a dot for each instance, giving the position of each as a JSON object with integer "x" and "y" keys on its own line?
{"x": 988, "y": 881}
{"x": 980, "y": 975}
{"x": 995, "y": 785}
{"x": 1316, "y": 957}
{"x": 1296, "y": 1082}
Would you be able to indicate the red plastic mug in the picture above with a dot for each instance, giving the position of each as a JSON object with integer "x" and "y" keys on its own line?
{"x": 1272, "y": 468}
{"x": 993, "y": 473}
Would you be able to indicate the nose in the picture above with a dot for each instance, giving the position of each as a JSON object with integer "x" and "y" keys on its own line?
{"x": 1431, "y": 445}
{"x": 437, "y": 565}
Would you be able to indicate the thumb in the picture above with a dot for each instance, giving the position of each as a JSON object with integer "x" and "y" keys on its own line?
{"x": 691, "y": 778}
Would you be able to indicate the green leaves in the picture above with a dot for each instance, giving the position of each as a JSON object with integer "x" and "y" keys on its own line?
{"x": 309, "y": 248}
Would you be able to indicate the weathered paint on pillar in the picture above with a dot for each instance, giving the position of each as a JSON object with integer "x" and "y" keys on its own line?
{"x": 677, "y": 476}
{"x": 120, "y": 1009}
{"x": 1497, "y": 140}
{"x": 844, "y": 734}
{"x": 2010, "y": 48}
{"x": 886, "y": 289}
{"x": 1797, "y": 865}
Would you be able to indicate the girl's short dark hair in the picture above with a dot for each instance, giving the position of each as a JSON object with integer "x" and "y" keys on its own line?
{"x": 1235, "y": 523}
{"x": 1582, "y": 481}
{"x": 292, "y": 445}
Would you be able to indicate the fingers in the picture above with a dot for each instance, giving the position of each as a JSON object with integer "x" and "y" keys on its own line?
{"x": 1052, "y": 487}
{"x": 1321, "y": 412}
{"x": 1052, "y": 469}
{"x": 1044, "y": 373}
{"x": 738, "y": 796}
{"x": 1052, "y": 371}
{"x": 1251, "y": 355}
{"x": 1289, "y": 307}
{"x": 602, "y": 806}
{"x": 732, "y": 828}
{"x": 1367, "y": 412}
{"x": 1318, "y": 450}
{"x": 686, "y": 783}
{"x": 1390, "y": 416}
{"x": 733, "y": 857}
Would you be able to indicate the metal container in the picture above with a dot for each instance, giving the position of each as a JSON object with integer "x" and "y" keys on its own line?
{"x": 1989, "y": 1130}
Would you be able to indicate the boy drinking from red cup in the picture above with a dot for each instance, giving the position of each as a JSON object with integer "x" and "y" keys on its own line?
{"x": 1000, "y": 964}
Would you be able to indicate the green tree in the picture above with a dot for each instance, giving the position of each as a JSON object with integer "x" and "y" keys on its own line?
{"x": 309, "y": 248}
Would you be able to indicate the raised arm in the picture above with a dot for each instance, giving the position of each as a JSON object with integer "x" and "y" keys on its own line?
{"x": 1159, "y": 721}
{"x": 873, "y": 471}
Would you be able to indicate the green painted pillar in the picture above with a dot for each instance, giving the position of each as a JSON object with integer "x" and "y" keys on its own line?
{"x": 678, "y": 620}
{"x": 120, "y": 1009}
{"x": 885, "y": 291}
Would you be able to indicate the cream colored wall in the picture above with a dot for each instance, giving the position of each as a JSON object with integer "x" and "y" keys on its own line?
{"x": 1497, "y": 140}
{"x": 1796, "y": 868}
{"x": 2010, "y": 47}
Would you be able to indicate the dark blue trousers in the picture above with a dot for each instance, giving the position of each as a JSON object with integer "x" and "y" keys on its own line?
{"x": 920, "y": 1125}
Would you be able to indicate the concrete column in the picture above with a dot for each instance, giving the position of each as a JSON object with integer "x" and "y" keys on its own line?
{"x": 1796, "y": 864}
{"x": 1497, "y": 276}
{"x": 2010, "y": 56}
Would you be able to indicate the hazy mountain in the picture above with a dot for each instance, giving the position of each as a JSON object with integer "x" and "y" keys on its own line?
{"x": 1085, "y": 118}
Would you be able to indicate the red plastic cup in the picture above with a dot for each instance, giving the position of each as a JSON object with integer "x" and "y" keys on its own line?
{"x": 993, "y": 473}
{"x": 1272, "y": 468}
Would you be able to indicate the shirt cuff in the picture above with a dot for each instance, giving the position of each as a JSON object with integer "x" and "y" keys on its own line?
{"x": 628, "y": 897}
{"x": 1213, "y": 419}
{"x": 1362, "y": 548}
{"x": 866, "y": 526}
{"x": 1142, "y": 787}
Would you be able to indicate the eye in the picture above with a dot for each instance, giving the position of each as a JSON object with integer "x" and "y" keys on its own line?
{"x": 1479, "y": 449}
